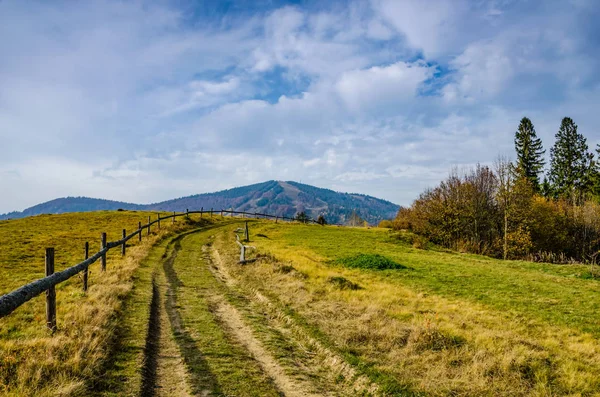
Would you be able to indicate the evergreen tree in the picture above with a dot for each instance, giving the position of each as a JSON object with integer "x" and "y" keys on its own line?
{"x": 570, "y": 162}
{"x": 546, "y": 188}
{"x": 530, "y": 154}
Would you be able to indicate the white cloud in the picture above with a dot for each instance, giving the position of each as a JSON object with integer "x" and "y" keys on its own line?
{"x": 376, "y": 85}
{"x": 143, "y": 102}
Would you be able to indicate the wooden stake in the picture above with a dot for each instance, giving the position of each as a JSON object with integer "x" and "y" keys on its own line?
{"x": 158, "y": 216}
{"x": 103, "y": 245}
{"x": 140, "y": 230}
{"x": 148, "y": 225}
{"x": 51, "y": 292}
{"x": 85, "y": 272}
{"x": 123, "y": 246}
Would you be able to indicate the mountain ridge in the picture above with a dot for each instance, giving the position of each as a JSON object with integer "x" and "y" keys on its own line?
{"x": 283, "y": 198}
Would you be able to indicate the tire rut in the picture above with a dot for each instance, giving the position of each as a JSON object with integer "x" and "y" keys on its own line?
{"x": 201, "y": 379}
{"x": 152, "y": 346}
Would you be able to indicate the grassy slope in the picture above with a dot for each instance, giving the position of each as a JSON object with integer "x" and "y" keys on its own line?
{"x": 31, "y": 360}
{"x": 451, "y": 323}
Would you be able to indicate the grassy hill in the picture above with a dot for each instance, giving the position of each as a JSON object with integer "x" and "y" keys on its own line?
{"x": 320, "y": 311}
{"x": 273, "y": 197}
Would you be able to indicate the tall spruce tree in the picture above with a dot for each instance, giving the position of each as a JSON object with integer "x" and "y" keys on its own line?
{"x": 530, "y": 153}
{"x": 570, "y": 162}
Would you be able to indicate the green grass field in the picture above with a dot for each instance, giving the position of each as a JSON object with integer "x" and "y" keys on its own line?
{"x": 318, "y": 311}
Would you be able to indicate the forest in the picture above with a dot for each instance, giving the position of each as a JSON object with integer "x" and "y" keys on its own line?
{"x": 518, "y": 209}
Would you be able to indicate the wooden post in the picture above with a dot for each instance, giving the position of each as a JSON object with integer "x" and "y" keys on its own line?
{"x": 123, "y": 246}
{"x": 85, "y": 272}
{"x": 51, "y": 292}
{"x": 103, "y": 245}
{"x": 140, "y": 230}
{"x": 148, "y": 225}
{"x": 187, "y": 215}
{"x": 246, "y": 234}
{"x": 158, "y": 216}
{"x": 173, "y": 217}
{"x": 243, "y": 254}
{"x": 201, "y": 211}
{"x": 211, "y": 212}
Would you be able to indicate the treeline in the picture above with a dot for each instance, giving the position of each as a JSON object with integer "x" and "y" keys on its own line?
{"x": 515, "y": 210}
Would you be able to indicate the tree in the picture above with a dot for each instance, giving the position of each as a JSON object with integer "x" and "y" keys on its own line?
{"x": 321, "y": 220}
{"x": 505, "y": 175}
{"x": 355, "y": 219}
{"x": 570, "y": 163}
{"x": 530, "y": 153}
{"x": 302, "y": 217}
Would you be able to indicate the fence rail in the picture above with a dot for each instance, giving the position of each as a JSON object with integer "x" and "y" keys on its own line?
{"x": 12, "y": 300}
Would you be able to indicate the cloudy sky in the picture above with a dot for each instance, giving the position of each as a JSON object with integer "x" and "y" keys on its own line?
{"x": 145, "y": 101}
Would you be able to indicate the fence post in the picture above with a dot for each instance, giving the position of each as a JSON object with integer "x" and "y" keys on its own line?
{"x": 103, "y": 245}
{"x": 50, "y": 293}
{"x": 85, "y": 272}
{"x": 187, "y": 215}
{"x": 140, "y": 230}
{"x": 158, "y": 216}
{"x": 246, "y": 234}
{"x": 173, "y": 217}
{"x": 211, "y": 212}
{"x": 124, "y": 242}
{"x": 201, "y": 211}
{"x": 243, "y": 254}
{"x": 148, "y": 225}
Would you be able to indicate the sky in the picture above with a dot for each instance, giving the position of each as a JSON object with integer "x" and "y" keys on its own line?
{"x": 146, "y": 101}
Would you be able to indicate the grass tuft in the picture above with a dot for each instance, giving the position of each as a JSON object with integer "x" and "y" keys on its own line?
{"x": 343, "y": 283}
{"x": 369, "y": 261}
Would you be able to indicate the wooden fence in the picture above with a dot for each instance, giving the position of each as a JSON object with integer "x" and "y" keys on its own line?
{"x": 12, "y": 300}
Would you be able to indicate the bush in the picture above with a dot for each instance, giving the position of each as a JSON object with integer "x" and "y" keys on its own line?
{"x": 369, "y": 261}
{"x": 387, "y": 224}
{"x": 343, "y": 283}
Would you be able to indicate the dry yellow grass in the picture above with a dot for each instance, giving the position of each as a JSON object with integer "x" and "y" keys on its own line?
{"x": 34, "y": 362}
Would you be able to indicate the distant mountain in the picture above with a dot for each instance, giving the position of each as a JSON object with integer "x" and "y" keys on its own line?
{"x": 272, "y": 197}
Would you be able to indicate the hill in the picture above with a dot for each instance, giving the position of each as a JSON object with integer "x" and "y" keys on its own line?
{"x": 273, "y": 197}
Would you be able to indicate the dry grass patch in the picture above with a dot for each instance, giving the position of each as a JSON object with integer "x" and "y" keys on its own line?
{"x": 34, "y": 362}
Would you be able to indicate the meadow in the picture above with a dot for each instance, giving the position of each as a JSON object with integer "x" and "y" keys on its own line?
{"x": 333, "y": 311}
{"x": 442, "y": 323}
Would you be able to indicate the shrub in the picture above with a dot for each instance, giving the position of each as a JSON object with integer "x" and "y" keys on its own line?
{"x": 385, "y": 224}
{"x": 343, "y": 283}
{"x": 369, "y": 261}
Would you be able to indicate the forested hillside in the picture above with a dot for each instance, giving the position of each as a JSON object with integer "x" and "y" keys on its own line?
{"x": 272, "y": 197}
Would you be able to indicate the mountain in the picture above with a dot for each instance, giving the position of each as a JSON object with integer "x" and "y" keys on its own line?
{"x": 272, "y": 197}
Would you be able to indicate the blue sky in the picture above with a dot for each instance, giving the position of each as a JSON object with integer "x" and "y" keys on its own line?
{"x": 146, "y": 101}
